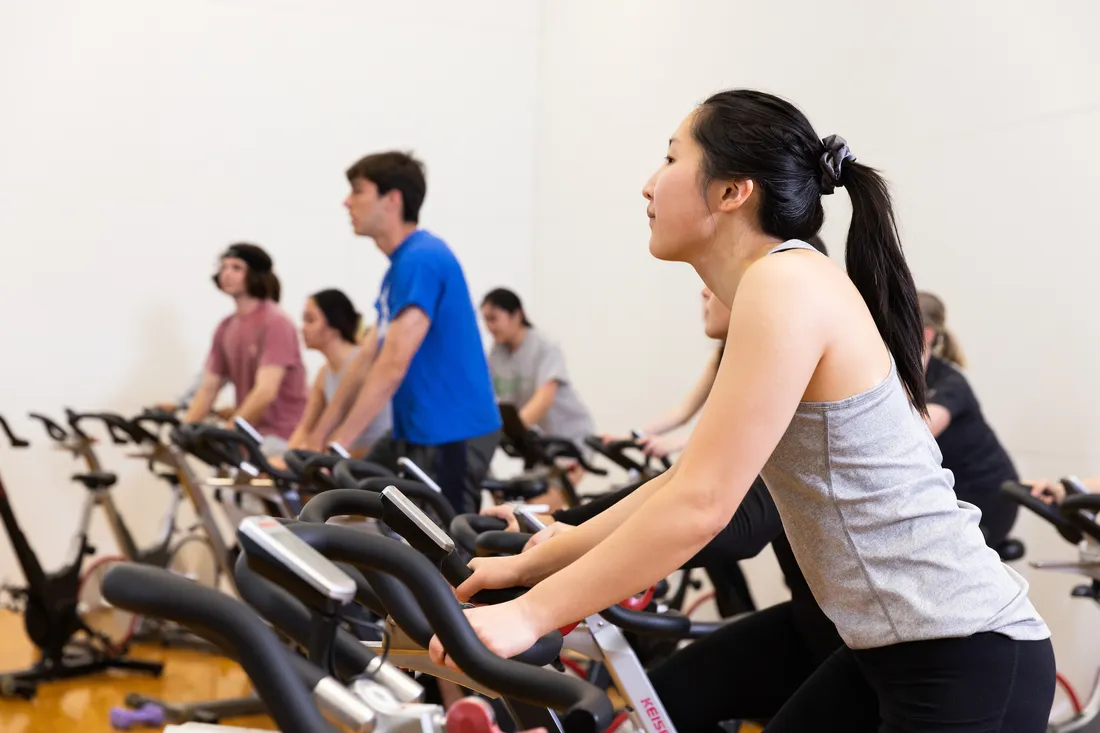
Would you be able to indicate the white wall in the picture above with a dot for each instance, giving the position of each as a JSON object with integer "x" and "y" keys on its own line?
{"x": 139, "y": 139}
{"x": 982, "y": 115}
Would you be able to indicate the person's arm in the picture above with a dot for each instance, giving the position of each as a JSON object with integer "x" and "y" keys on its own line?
{"x": 264, "y": 391}
{"x": 755, "y": 524}
{"x": 775, "y": 346}
{"x": 314, "y": 405}
{"x": 403, "y": 339}
{"x": 539, "y": 404}
{"x": 691, "y": 404}
{"x": 204, "y": 396}
{"x": 279, "y": 353}
{"x": 550, "y": 373}
{"x": 938, "y": 418}
{"x": 346, "y": 391}
{"x": 949, "y": 397}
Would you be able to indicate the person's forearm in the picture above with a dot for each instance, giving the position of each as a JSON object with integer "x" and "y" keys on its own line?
{"x": 200, "y": 405}
{"x": 377, "y": 391}
{"x": 554, "y": 554}
{"x": 336, "y": 409}
{"x": 655, "y": 540}
{"x": 254, "y": 406}
{"x": 536, "y": 408}
{"x": 665, "y": 423}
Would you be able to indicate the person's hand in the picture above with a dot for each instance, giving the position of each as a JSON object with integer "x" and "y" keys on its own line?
{"x": 225, "y": 413}
{"x": 1052, "y": 492}
{"x": 169, "y": 407}
{"x": 658, "y": 446}
{"x": 507, "y": 512}
{"x": 490, "y": 573}
{"x": 609, "y": 438}
{"x": 505, "y": 628}
{"x": 277, "y": 462}
{"x": 546, "y": 533}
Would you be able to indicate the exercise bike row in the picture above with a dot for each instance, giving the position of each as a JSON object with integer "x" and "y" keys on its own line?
{"x": 215, "y": 445}
{"x": 230, "y": 451}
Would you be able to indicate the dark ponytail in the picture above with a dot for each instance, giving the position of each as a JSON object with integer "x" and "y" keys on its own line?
{"x": 508, "y": 302}
{"x": 877, "y": 267}
{"x": 339, "y": 313}
{"x": 750, "y": 134}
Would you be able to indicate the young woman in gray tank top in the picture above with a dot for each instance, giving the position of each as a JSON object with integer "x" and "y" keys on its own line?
{"x": 330, "y": 324}
{"x": 821, "y": 391}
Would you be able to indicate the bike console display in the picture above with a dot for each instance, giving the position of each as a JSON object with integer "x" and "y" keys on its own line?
{"x": 292, "y": 553}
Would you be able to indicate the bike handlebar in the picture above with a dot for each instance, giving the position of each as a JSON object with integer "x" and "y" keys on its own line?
{"x": 229, "y": 624}
{"x": 216, "y": 438}
{"x": 1073, "y": 508}
{"x": 465, "y": 529}
{"x": 16, "y": 441}
{"x": 54, "y": 430}
{"x": 615, "y": 452}
{"x": 588, "y": 708}
{"x": 120, "y": 429}
{"x": 1021, "y": 494}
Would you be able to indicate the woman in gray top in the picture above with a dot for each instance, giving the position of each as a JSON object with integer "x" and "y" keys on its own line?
{"x": 821, "y": 392}
{"x": 330, "y": 324}
{"x": 528, "y": 371}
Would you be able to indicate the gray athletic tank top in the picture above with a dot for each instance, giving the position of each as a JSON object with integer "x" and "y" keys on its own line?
{"x": 376, "y": 429}
{"x": 888, "y": 551}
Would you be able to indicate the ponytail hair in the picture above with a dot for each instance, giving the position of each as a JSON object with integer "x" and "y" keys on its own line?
{"x": 877, "y": 267}
{"x": 339, "y": 313}
{"x": 750, "y": 134}
{"x": 508, "y": 302}
{"x": 934, "y": 315}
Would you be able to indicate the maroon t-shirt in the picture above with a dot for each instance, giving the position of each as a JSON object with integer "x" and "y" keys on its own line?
{"x": 243, "y": 344}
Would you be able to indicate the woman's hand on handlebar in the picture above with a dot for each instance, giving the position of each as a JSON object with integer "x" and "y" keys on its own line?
{"x": 660, "y": 446}
{"x": 490, "y": 573}
{"x": 507, "y": 512}
{"x": 505, "y": 628}
{"x": 544, "y": 534}
{"x": 1052, "y": 492}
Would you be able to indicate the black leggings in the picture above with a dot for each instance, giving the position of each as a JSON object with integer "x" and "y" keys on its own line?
{"x": 746, "y": 670}
{"x": 986, "y": 683}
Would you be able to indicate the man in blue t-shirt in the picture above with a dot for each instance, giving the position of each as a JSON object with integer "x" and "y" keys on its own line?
{"x": 424, "y": 353}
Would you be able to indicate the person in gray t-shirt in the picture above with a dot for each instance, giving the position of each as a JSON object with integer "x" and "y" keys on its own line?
{"x": 528, "y": 371}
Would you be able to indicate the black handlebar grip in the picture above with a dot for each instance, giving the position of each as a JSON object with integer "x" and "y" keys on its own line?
{"x": 434, "y": 599}
{"x": 341, "y": 502}
{"x": 418, "y": 492}
{"x": 231, "y": 625}
{"x": 54, "y": 430}
{"x": 672, "y": 625}
{"x": 497, "y": 542}
{"x": 16, "y": 442}
{"x": 466, "y": 527}
{"x": 1073, "y": 508}
{"x": 1021, "y": 494}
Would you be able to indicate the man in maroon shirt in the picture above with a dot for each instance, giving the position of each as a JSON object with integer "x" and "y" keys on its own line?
{"x": 256, "y": 349}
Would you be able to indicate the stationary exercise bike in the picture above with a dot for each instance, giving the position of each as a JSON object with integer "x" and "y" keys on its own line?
{"x": 1076, "y": 520}
{"x": 76, "y": 631}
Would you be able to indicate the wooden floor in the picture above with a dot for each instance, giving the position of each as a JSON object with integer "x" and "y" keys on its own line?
{"x": 85, "y": 704}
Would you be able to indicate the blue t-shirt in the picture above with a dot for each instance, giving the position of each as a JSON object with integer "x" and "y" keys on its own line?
{"x": 447, "y": 394}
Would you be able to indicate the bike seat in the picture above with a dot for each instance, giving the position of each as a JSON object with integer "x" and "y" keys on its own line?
{"x": 96, "y": 479}
{"x": 523, "y": 486}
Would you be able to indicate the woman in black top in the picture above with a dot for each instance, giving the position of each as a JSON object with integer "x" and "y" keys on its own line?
{"x": 970, "y": 448}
